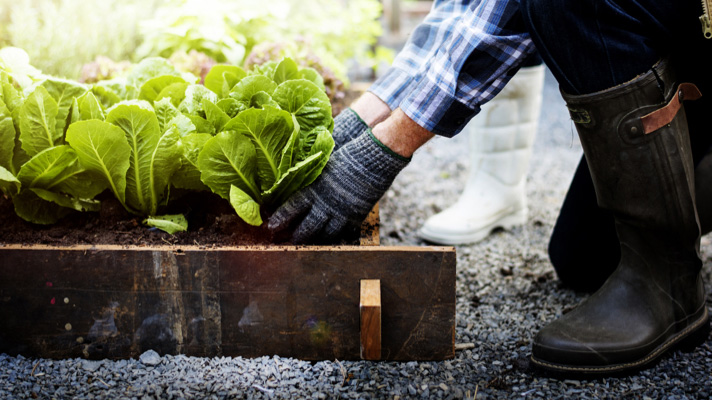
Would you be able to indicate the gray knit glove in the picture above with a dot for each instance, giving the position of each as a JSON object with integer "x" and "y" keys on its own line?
{"x": 354, "y": 179}
{"x": 347, "y": 125}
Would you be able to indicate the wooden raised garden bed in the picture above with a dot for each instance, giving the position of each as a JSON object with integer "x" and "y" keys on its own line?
{"x": 106, "y": 301}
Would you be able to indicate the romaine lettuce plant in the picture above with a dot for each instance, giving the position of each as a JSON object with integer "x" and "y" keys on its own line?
{"x": 253, "y": 138}
{"x": 274, "y": 135}
{"x": 38, "y": 169}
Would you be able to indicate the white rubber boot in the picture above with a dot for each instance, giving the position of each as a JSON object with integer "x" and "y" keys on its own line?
{"x": 501, "y": 138}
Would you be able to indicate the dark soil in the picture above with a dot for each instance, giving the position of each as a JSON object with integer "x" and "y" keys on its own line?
{"x": 211, "y": 223}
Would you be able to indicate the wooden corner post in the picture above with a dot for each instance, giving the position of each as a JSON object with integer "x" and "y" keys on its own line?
{"x": 370, "y": 310}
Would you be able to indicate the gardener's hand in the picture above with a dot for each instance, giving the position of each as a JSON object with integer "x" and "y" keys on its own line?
{"x": 347, "y": 125}
{"x": 365, "y": 112}
{"x": 354, "y": 179}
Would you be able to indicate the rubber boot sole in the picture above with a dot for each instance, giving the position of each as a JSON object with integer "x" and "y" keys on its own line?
{"x": 506, "y": 222}
{"x": 686, "y": 340}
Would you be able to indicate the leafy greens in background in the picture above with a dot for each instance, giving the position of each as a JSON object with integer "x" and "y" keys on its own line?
{"x": 252, "y": 137}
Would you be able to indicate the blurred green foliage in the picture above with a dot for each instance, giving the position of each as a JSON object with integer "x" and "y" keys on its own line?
{"x": 62, "y": 35}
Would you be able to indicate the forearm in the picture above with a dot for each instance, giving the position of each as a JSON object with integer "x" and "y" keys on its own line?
{"x": 371, "y": 109}
{"x": 400, "y": 134}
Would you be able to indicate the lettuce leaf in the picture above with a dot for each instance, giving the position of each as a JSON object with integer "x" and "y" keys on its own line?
{"x": 9, "y": 184}
{"x": 221, "y": 78}
{"x": 168, "y": 223}
{"x": 246, "y": 207}
{"x": 277, "y": 142}
{"x": 63, "y": 92}
{"x": 309, "y": 104}
{"x": 154, "y": 86}
{"x": 38, "y": 119}
{"x": 7, "y": 138}
{"x": 153, "y": 157}
{"x": 229, "y": 159}
{"x": 102, "y": 149}
{"x": 188, "y": 175}
{"x": 269, "y": 129}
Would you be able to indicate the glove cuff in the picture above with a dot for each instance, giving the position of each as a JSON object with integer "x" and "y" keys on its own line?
{"x": 347, "y": 125}
{"x": 386, "y": 148}
{"x": 372, "y": 162}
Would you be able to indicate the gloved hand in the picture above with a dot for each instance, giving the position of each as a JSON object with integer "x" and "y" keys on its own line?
{"x": 354, "y": 179}
{"x": 347, "y": 125}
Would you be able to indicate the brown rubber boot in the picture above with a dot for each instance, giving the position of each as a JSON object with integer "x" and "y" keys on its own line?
{"x": 642, "y": 171}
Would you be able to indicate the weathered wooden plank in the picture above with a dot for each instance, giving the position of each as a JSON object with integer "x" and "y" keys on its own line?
{"x": 114, "y": 302}
{"x": 370, "y": 310}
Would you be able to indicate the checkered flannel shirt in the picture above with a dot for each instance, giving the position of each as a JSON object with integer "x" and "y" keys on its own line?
{"x": 457, "y": 59}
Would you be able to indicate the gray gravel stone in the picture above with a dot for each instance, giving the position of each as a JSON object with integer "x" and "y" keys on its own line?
{"x": 150, "y": 358}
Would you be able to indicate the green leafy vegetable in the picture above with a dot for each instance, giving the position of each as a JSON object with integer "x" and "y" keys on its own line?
{"x": 188, "y": 175}
{"x": 229, "y": 159}
{"x": 7, "y": 138}
{"x": 38, "y": 117}
{"x": 245, "y": 206}
{"x": 168, "y": 223}
{"x": 154, "y": 156}
{"x": 153, "y": 87}
{"x": 252, "y": 137}
{"x": 63, "y": 92}
{"x": 222, "y": 78}
{"x": 275, "y": 147}
{"x": 102, "y": 148}
{"x": 9, "y": 184}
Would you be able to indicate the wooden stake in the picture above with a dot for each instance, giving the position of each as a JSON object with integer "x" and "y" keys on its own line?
{"x": 370, "y": 309}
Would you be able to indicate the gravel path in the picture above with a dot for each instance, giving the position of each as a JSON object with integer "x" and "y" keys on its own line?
{"x": 506, "y": 291}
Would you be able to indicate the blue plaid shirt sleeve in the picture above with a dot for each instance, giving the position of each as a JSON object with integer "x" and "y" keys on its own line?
{"x": 421, "y": 47}
{"x": 462, "y": 60}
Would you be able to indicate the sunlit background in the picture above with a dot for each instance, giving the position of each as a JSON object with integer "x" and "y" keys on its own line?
{"x": 97, "y": 39}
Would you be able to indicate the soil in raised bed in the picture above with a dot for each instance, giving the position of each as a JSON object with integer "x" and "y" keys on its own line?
{"x": 211, "y": 223}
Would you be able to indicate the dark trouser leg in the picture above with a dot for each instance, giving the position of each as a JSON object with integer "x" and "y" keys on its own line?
{"x": 584, "y": 247}
{"x": 703, "y": 185}
{"x": 592, "y": 45}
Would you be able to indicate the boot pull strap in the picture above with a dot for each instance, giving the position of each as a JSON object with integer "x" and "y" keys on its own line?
{"x": 663, "y": 116}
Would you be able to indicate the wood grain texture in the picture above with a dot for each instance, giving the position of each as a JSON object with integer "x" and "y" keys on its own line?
{"x": 370, "y": 311}
{"x": 114, "y": 302}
